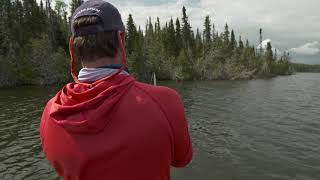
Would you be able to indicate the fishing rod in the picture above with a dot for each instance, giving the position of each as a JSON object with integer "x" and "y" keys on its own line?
{"x": 154, "y": 79}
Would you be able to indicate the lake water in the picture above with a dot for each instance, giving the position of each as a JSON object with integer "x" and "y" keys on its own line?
{"x": 241, "y": 130}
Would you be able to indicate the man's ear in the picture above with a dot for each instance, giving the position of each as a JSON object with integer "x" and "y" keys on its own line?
{"x": 123, "y": 37}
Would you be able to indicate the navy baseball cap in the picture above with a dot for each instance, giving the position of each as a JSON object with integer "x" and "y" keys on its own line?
{"x": 109, "y": 15}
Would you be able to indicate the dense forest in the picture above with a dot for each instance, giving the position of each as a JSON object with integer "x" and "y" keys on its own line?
{"x": 34, "y": 48}
{"x": 306, "y": 67}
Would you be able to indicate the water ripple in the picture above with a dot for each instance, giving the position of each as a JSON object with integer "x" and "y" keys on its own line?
{"x": 241, "y": 130}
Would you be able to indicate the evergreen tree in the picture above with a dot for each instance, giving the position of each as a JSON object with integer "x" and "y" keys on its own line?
{"x": 247, "y": 44}
{"x": 261, "y": 48}
{"x": 60, "y": 8}
{"x": 213, "y": 32}
{"x": 207, "y": 31}
{"x": 150, "y": 28}
{"x": 131, "y": 35}
{"x": 157, "y": 27}
{"x": 226, "y": 35}
{"x": 75, "y": 4}
{"x": 207, "y": 37}
{"x": 41, "y": 5}
{"x": 233, "y": 42}
{"x": 269, "y": 58}
{"x": 186, "y": 29}
{"x": 241, "y": 46}
{"x": 269, "y": 53}
{"x": 199, "y": 45}
{"x": 171, "y": 39}
{"x": 178, "y": 37}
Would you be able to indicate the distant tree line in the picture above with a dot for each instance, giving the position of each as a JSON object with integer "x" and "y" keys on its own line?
{"x": 306, "y": 68}
{"x": 34, "y": 48}
{"x": 175, "y": 51}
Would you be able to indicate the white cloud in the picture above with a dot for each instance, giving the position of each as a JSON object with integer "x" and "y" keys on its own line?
{"x": 264, "y": 45}
{"x": 311, "y": 48}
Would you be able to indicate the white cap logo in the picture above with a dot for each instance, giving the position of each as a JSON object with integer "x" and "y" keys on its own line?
{"x": 86, "y": 9}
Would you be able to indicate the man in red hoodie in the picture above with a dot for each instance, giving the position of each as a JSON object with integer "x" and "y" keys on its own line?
{"x": 106, "y": 125}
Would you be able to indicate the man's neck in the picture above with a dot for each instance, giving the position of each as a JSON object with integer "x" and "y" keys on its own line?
{"x": 101, "y": 62}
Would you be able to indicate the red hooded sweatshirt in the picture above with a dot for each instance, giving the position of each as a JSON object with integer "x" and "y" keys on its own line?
{"x": 118, "y": 130}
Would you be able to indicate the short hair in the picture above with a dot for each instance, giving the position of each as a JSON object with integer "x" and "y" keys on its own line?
{"x": 94, "y": 46}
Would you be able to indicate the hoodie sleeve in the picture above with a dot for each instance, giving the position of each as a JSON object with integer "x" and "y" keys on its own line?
{"x": 182, "y": 154}
{"x": 171, "y": 104}
{"x": 43, "y": 122}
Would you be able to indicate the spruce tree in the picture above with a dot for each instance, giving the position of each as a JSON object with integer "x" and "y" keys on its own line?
{"x": 241, "y": 45}
{"x": 226, "y": 35}
{"x": 207, "y": 31}
{"x": 199, "y": 45}
{"x": 75, "y": 4}
{"x": 150, "y": 28}
{"x": 269, "y": 58}
{"x": 188, "y": 45}
{"x": 186, "y": 29}
{"x": 269, "y": 53}
{"x": 178, "y": 38}
{"x": 171, "y": 39}
{"x": 247, "y": 44}
{"x": 158, "y": 33}
{"x": 260, "y": 37}
{"x": 233, "y": 42}
{"x": 130, "y": 35}
{"x": 213, "y": 32}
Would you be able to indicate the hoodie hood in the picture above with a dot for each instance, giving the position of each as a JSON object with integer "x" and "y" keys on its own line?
{"x": 82, "y": 109}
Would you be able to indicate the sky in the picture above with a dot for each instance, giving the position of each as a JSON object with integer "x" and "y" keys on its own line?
{"x": 290, "y": 25}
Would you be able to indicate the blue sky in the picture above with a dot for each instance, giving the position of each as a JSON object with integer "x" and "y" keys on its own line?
{"x": 291, "y": 25}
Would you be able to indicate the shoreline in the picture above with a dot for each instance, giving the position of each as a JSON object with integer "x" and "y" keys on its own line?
{"x": 255, "y": 77}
